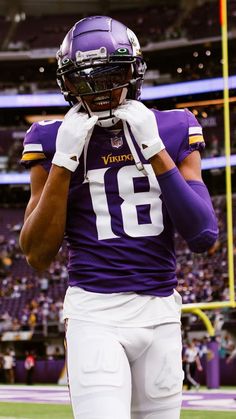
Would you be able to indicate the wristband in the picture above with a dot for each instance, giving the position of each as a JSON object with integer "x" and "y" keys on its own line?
{"x": 65, "y": 160}
{"x": 155, "y": 147}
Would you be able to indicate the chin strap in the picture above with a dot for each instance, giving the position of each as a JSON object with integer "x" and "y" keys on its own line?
{"x": 132, "y": 148}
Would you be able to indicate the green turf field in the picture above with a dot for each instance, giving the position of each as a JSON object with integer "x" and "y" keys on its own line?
{"x": 46, "y": 411}
{"x": 203, "y": 414}
{"x": 34, "y": 411}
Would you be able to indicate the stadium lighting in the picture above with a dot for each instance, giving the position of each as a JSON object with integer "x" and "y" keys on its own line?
{"x": 24, "y": 178}
{"x": 148, "y": 93}
{"x": 187, "y": 88}
{"x": 204, "y": 103}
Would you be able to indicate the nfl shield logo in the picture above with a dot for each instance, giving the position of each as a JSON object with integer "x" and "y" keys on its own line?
{"x": 116, "y": 142}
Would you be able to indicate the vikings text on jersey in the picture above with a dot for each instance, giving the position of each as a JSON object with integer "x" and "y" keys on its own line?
{"x": 119, "y": 233}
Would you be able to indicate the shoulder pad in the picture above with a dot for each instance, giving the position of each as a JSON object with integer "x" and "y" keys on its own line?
{"x": 180, "y": 132}
{"x": 39, "y": 142}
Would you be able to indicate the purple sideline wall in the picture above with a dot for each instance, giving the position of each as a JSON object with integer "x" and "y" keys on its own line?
{"x": 227, "y": 373}
{"x": 49, "y": 372}
{"x": 213, "y": 365}
{"x": 45, "y": 371}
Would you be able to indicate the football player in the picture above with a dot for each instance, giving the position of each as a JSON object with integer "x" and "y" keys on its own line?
{"x": 116, "y": 179}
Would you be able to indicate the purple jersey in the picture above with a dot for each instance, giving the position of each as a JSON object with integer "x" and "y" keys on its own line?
{"x": 119, "y": 233}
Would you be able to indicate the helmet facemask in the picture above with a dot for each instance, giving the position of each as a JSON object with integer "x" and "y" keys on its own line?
{"x": 101, "y": 88}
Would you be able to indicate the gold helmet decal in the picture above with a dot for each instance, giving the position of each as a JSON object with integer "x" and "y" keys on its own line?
{"x": 134, "y": 42}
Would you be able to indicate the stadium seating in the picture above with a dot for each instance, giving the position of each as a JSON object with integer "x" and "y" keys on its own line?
{"x": 23, "y": 291}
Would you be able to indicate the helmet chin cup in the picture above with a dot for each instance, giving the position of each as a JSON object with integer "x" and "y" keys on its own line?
{"x": 108, "y": 122}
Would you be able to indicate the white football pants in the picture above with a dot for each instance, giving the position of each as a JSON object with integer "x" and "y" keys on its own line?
{"x": 114, "y": 371}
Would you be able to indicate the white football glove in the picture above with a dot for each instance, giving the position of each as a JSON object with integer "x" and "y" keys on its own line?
{"x": 71, "y": 137}
{"x": 143, "y": 125}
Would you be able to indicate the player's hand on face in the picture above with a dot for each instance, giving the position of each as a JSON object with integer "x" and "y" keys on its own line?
{"x": 143, "y": 125}
{"x": 71, "y": 136}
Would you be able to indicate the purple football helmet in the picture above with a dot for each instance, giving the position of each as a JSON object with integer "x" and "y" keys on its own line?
{"x": 100, "y": 63}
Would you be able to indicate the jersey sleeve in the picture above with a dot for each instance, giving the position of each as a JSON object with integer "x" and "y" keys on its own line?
{"x": 193, "y": 140}
{"x": 39, "y": 144}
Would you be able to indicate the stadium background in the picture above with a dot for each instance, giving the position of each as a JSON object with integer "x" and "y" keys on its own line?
{"x": 182, "y": 44}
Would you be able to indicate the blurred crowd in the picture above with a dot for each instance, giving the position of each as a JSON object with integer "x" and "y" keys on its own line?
{"x": 196, "y": 351}
{"x": 210, "y": 118}
{"x": 204, "y": 277}
{"x": 8, "y": 361}
{"x": 32, "y": 301}
{"x": 29, "y": 301}
{"x": 153, "y": 23}
{"x": 166, "y": 26}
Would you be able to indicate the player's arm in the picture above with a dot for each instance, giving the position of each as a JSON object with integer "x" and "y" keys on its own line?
{"x": 44, "y": 226}
{"x": 184, "y": 194}
{"x": 187, "y": 199}
{"x": 45, "y": 216}
{"x": 190, "y": 167}
{"x": 38, "y": 177}
{"x": 198, "y": 363}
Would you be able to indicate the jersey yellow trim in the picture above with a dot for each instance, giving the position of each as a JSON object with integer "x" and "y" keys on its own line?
{"x": 33, "y": 156}
{"x": 196, "y": 139}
